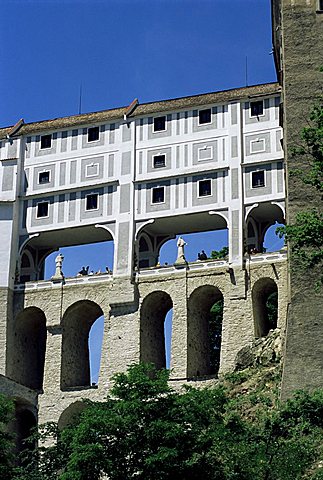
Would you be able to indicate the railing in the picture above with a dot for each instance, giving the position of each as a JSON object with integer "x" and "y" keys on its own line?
{"x": 270, "y": 257}
{"x": 172, "y": 269}
{"x": 204, "y": 265}
{"x": 199, "y": 265}
{"x": 80, "y": 279}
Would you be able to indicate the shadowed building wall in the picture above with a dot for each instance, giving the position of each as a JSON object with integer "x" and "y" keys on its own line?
{"x": 298, "y": 40}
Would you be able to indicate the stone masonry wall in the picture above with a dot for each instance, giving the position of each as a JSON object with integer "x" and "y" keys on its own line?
{"x": 121, "y": 341}
{"x": 302, "y": 40}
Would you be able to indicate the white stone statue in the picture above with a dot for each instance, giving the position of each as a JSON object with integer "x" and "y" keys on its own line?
{"x": 58, "y": 275}
{"x": 180, "y": 251}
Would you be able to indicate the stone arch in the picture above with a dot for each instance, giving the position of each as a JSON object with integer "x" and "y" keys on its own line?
{"x": 258, "y": 219}
{"x": 27, "y": 358}
{"x": 76, "y": 324}
{"x": 153, "y": 312}
{"x": 264, "y": 320}
{"x": 70, "y": 415}
{"x": 201, "y": 340}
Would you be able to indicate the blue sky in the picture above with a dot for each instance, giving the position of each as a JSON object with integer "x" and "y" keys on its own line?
{"x": 122, "y": 49}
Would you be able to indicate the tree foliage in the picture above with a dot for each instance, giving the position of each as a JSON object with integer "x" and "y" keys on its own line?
{"x": 219, "y": 254}
{"x": 6, "y": 440}
{"x": 146, "y": 430}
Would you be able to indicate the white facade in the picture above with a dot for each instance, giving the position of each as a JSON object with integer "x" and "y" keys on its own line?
{"x": 173, "y": 167}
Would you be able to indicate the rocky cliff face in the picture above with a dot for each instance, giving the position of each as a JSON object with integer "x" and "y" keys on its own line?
{"x": 263, "y": 351}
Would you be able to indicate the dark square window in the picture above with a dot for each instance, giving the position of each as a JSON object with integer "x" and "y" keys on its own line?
{"x": 43, "y": 177}
{"x": 159, "y": 123}
{"x": 256, "y": 108}
{"x": 159, "y": 161}
{"x": 92, "y": 201}
{"x": 158, "y": 195}
{"x": 205, "y": 116}
{"x": 258, "y": 179}
{"x": 93, "y": 134}
{"x": 320, "y": 5}
{"x": 42, "y": 209}
{"x": 204, "y": 188}
{"x": 46, "y": 141}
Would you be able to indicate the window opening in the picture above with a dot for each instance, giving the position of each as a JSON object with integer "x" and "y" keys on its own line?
{"x": 159, "y": 161}
{"x": 42, "y": 209}
{"x": 204, "y": 116}
{"x": 45, "y": 141}
{"x": 258, "y": 179}
{"x": 158, "y": 195}
{"x": 159, "y": 124}
{"x": 43, "y": 177}
{"x": 205, "y": 188}
{"x": 93, "y": 134}
{"x": 92, "y": 201}
{"x": 256, "y": 108}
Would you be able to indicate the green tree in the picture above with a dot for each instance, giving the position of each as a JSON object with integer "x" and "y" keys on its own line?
{"x": 218, "y": 254}
{"x": 6, "y": 439}
{"x": 145, "y": 430}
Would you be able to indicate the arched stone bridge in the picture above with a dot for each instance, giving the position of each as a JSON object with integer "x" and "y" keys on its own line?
{"x": 48, "y": 337}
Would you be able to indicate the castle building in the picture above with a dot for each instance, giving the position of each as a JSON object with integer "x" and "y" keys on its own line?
{"x": 138, "y": 176}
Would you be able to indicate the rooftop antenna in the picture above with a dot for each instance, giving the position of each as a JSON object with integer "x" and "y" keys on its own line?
{"x": 246, "y": 71}
{"x": 80, "y": 99}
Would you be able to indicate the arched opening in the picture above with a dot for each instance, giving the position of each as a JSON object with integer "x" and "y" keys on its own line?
{"x": 96, "y": 259}
{"x": 153, "y": 312}
{"x": 70, "y": 414}
{"x": 27, "y": 358}
{"x": 204, "y": 331}
{"x": 203, "y": 233}
{"x": 95, "y": 348}
{"x": 22, "y": 427}
{"x": 76, "y": 324}
{"x": 85, "y": 246}
{"x": 272, "y": 242}
{"x": 261, "y": 225}
{"x": 265, "y": 306}
{"x": 168, "y": 328}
